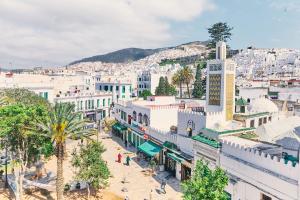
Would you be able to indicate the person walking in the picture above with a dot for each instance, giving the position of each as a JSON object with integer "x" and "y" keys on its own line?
{"x": 127, "y": 160}
{"x": 119, "y": 158}
{"x": 163, "y": 185}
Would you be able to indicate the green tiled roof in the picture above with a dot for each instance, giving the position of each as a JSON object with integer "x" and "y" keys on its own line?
{"x": 241, "y": 102}
{"x": 229, "y": 131}
{"x": 206, "y": 140}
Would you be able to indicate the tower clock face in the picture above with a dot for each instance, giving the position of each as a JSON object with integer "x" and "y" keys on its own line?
{"x": 214, "y": 89}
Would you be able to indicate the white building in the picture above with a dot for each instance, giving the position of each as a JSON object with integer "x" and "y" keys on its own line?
{"x": 258, "y": 171}
{"x": 147, "y": 80}
{"x": 120, "y": 90}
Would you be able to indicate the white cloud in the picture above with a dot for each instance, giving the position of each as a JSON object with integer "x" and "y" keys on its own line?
{"x": 59, "y": 31}
{"x": 286, "y": 5}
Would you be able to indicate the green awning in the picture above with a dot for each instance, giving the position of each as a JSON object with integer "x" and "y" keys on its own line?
{"x": 150, "y": 148}
{"x": 175, "y": 157}
{"x": 119, "y": 127}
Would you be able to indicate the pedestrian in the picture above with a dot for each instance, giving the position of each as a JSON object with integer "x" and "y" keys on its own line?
{"x": 150, "y": 196}
{"x": 163, "y": 185}
{"x": 126, "y": 143}
{"x": 127, "y": 160}
{"x": 126, "y": 198}
{"x": 119, "y": 158}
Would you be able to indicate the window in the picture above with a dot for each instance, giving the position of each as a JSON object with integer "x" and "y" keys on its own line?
{"x": 106, "y": 88}
{"x": 270, "y": 118}
{"x": 46, "y": 95}
{"x": 108, "y": 101}
{"x": 252, "y": 123}
{"x": 134, "y": 116}
{"x": 123, "y": 89}
{"x": 111, "y": 88}
{"x": 103, "y": 102}
{"x": 265, "y": 197}
{"x": 265, "y": 120}
{"x": 100, "y": 87}
{"x": 86, "y": 104}
{"x": 92, "y": 102}
{"x": 260, "y": 121}
{"x": 117, "y": 88}
{"x": 81, "y": 103}
{"x": 98, "y": 103}
{"x": 123, "y": 96}
{"x": 140, "y": 118}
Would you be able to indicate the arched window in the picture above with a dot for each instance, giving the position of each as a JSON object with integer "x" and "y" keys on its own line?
{"x": 140, "y": 118}
{"x": 145, "y": 120}
{"x": 134, "y": 116}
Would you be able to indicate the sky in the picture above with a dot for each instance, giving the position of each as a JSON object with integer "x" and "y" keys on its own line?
{"x": 35, "y": 33}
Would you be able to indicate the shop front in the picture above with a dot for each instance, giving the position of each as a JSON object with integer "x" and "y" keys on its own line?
{"x": 119, "y": 130}
{"x": 134, "y": 138}
{"x": 150, "y": 151}
{"x": 177, "y": 163}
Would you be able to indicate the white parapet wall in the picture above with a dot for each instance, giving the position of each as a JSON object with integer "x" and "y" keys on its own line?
{"x": 258, "y": 173}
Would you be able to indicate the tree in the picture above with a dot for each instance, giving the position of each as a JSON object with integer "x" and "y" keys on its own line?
{"x": 167, "y": 86}
{"x": 205, "y": 183}
{"x": 90, "y": 166}
{"x": 25, "y": 144}
{"x": 161, "y": 88}
{"x": 187, "y": 75}
{"x": 145, "y": 94}
{"x": 198, "y": 90}
{"x": 107, "y": 124}
{"x": 177, "y": 80}
{"x": 62, "y": 123}
{"x": 220, "y": 31}
{"x": 172, "y": 90}
{"x": 21, "y": 95}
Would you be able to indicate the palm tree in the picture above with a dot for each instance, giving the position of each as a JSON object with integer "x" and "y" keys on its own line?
{"x": 62, "y": 123}
{"x": 177, "y": 80}
{"x": 188, "y": 76}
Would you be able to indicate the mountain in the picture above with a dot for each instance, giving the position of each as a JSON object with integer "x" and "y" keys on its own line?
{"x": 121, "y": 56}
{"x": 132, "y": 54}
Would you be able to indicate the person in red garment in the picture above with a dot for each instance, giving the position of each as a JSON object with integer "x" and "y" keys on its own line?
{"x": 119, "y": 158}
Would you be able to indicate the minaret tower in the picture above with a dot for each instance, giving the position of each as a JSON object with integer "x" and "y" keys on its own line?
{"x": 220, "y": 84}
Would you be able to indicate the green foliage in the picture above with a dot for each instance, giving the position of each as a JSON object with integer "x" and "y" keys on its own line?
{"x": 145, "y": 94}
{"x": 198, "y": 90}
{"x": 63, "y": 122}
{"x": 177, "y": 79}
{"x": 161, "y": 89}
{"x": 90, "y": 165}
{"x": 219, "y": 32}
{"x": 20, "y": 95}
{"x": 205, "y": 184}
{"x": 17, "y": 122}
{"x": 164, "y": 88}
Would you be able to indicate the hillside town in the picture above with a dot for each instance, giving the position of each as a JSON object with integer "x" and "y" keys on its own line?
{"x": 149, "y": 100}
{"x": 247, "y": 123}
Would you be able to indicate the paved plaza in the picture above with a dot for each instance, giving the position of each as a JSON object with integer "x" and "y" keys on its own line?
{"x": 138, "y": 183}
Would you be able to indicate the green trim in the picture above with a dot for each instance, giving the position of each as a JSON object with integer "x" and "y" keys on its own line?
{"x": 150, "y": 148}
{"x": 229, "y": 131}
{"x": 206, "y": 140}
{"x": 175, "y": 157}
{"x": 273, "y": 93}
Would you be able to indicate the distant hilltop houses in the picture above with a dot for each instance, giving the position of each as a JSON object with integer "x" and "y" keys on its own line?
{"x": 247, "y": 123}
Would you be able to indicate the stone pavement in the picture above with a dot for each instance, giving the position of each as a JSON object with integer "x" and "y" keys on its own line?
{"x": 138, "y": 183}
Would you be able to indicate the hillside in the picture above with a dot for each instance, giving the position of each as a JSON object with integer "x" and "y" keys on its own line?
{"x": 133, "y": 54}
